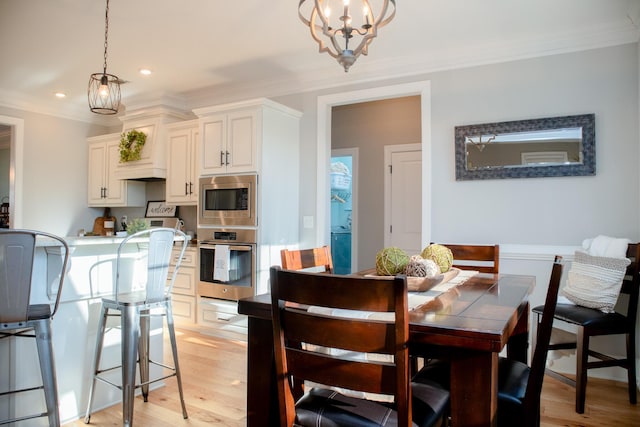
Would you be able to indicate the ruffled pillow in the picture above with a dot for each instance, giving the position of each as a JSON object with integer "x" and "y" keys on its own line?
{"x": 595, "y": 281}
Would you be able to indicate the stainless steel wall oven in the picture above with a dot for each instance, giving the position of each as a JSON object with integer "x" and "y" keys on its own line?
{"x": 241, "y": 263}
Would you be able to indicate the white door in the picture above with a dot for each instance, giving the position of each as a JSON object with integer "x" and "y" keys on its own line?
{"x": 403, "y": 197}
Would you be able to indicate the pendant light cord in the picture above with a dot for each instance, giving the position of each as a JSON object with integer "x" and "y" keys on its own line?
{"x": 106, "y": 34}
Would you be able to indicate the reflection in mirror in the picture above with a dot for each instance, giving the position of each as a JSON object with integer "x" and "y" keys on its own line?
{"x": 557, "y": 146}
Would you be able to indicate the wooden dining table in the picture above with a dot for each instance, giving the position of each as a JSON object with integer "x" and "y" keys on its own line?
{"x": 468, "y": 325}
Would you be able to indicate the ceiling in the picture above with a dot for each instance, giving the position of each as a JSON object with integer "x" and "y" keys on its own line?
{"x": 204, "y": 50}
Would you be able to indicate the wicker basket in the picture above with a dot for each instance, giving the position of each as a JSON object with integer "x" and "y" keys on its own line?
{"x": 421, "y": 284}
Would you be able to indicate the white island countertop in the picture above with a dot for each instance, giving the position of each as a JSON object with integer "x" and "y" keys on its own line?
{"x": 87, "y": 240}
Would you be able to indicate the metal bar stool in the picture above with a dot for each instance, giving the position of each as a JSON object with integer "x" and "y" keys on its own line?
{"x": 135, "y": 305}
{"x": 18, "y": 318}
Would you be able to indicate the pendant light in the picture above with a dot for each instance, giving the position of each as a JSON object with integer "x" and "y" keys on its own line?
{"x": 348, "y": 35}
{"x": 104, "y": 89}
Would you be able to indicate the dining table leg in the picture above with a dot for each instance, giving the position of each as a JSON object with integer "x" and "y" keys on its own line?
{"x": 518, "y": 344}
{"x": 474, "y": 389}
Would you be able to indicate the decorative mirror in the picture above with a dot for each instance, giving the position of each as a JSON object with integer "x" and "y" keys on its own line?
{"x": 555, "y": 146}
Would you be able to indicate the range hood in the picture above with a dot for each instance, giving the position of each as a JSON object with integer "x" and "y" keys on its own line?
{"x": 152, "y": 165}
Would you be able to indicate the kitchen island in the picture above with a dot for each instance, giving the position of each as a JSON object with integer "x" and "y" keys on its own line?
{"x": 90, "y": 276}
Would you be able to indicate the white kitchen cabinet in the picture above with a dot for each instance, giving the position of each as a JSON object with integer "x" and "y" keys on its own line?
{"x": 153, "y": 157}
{"x": 103, "y": 188}
{"x": 182, "y": 174}
{"x": 222, "y": 318}
{"x": 230, "y": 142}
{"x": 183, "y": 296}
{"x": 263, "y": 137}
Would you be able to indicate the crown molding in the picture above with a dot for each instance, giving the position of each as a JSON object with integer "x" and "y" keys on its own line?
{"x": 379, "y": 69}
{"x": 376, "y": 69}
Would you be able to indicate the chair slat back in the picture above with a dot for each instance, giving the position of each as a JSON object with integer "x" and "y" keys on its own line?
{"x": 16, "y": 261}
{"x": 307, "y": 308}
{"x": 631, "y": 282}
{"x": 157, "y": 245}
{"x": 303, "y": 259}
{"x": 17, "y": 252}
{"x": 538, "y": 362}
{"x": 482, "y": 258}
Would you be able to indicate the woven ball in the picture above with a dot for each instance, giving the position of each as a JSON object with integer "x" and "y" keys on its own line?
{"x": 420, "y": 267}
{"x": 442, "y": 256}
{"x": 391, "y": 261}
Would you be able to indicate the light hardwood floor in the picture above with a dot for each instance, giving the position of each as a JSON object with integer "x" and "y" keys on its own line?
{"x": 214, "y": 377}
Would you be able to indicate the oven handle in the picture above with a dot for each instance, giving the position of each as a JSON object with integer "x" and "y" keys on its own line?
{"x": 242, "y": 248}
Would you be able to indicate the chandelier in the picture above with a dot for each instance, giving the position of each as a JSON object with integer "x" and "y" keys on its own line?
{"x": 104, "y": 88}
{"x": 346, "y": 36}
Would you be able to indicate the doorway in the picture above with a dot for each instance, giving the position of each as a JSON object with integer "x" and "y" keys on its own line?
{"x": 323, "y": 191}
{"x": 15, "y": 136}
{"x": 343, "y": 178}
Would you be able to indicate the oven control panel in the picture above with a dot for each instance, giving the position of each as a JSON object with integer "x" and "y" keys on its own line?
{"x": 226, "y": 235}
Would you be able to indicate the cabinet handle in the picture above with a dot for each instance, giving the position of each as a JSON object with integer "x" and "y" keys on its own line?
{"x": 190, "y": 187}
{"x": 221, "y": 158}
{"x": 104, "y": 189}
{"x": 186, "y": 189}
{"x": 227, "y": 158}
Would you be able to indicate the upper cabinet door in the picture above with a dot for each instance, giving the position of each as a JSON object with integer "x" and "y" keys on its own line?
{"x": 229, "y": 143}
{"x": 242, "y": 139}
{"x": 96, "y": 176}
{"x": 103, "y": 187}
{"x": 116, "y": 188}
{"x": 181, "y": 185}
{"x": 213, "y": 145}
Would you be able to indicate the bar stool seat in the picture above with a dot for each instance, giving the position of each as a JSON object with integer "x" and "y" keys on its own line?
{"x": 20, "y": 319}
{"x": 136, "y": 306}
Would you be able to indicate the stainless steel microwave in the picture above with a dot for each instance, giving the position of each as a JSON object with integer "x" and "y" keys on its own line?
{"x": 228, "y": 200}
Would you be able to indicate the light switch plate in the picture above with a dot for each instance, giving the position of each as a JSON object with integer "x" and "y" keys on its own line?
{"x": 307, "y": 221}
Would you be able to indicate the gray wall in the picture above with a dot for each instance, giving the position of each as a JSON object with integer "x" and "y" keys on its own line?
{"x": 540, "y": 211}
{"x": 55, "y": 172}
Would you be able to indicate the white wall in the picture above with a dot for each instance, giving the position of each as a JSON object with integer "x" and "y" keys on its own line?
{"x": 55, "y": 172}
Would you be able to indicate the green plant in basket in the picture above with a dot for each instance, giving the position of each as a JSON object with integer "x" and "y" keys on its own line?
{"x": 137, "y": 224}
{"x": 131, "y": 144}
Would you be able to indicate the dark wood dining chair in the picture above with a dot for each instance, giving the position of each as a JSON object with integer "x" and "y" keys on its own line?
{"x": 519, "y": 385}
{"x": 314, "y": 343}
{"x": 591, "y": 322}
{"x": 483, "y": 258}
{"x": 303, "y": 259}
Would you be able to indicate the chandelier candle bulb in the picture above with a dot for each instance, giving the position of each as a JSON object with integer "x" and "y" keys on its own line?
{"x": 367, "y": 22}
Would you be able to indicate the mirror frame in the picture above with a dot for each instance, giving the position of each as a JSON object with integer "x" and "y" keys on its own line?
{"x": 587, "y": 167}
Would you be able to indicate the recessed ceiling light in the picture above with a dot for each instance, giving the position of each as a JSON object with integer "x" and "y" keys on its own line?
{"x": 60, "y": 95}
{"x": 145, "y": 71}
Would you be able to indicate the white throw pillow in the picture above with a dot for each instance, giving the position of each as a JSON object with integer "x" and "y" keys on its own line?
{"x": 595, "y": 281}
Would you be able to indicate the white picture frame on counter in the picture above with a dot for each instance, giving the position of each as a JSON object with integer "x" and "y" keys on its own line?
{"x": 159, "y": 209}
